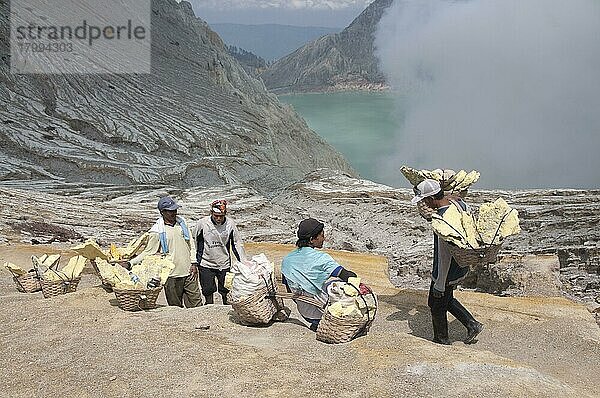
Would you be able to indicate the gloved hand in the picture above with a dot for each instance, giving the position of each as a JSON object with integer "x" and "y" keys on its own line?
{"x": 436, "y": 293}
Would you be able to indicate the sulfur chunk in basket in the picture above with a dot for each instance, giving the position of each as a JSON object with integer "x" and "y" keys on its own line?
{"x": 496, "y": 221}
{"x": 90, "y": 249}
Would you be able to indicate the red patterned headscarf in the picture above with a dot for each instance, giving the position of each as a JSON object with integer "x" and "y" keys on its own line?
{"x": 219, "y": 207}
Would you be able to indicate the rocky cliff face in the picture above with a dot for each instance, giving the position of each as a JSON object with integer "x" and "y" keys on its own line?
{"x": 337, "y": 61}
{"x": 198, "y": 119}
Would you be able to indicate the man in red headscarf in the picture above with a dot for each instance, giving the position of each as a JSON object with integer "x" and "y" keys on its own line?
{"x": 217, "y": 239}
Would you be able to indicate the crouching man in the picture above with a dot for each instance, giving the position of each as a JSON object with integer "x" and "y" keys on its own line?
{"x": 306, "y": 270}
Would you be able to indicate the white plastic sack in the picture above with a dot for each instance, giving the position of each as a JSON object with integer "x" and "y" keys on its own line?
{"x": 250, "y": 276}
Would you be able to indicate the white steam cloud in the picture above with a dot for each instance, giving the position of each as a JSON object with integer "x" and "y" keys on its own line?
{"x": 510, "y": 88}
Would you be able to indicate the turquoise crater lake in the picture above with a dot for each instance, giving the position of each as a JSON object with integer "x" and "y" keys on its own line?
{"x": 360, "y": 125}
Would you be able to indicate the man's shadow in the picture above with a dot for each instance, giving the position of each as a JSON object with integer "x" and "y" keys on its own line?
{"x": 413, "y": 308}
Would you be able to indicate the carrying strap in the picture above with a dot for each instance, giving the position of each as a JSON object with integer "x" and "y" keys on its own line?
{"x": 274, "y": 294}
{"x": 16, "y": 279}
{"x": 299, "y": 297}
{"x": 500, "y": 225}
{"x": 370, "y": 318}
{"x": 230, "y": 250}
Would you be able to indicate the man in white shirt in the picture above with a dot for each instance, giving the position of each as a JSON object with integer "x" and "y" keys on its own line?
{"x": 217, "y": 239}
{"x": 171, "y": 237}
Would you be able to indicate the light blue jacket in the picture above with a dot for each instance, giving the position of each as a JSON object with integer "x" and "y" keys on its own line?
{"x": 308, "y": 269}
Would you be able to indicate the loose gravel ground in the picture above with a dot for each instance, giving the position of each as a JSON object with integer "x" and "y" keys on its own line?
{"x": 83, "y": 345}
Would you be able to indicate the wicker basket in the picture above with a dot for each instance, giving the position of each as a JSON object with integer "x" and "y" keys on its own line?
{"x": 28, "y": 283}
{"x": 55, "y": 288}
{"x": 473, "y": 258}
{"x": 72, "y": 284}
{"x": 257, "y": 309}
{"x": 136, "y": 300}
{"x": 104, "y": 283}
{"x": 336, "y": 330}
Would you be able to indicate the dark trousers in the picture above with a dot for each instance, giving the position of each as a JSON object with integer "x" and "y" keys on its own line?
{"x": 447, "y": 303}
{"x": 182, "y": 290}
{"x": 208, "y": 285}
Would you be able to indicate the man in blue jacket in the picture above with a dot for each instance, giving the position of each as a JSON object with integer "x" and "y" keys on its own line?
{"x": 446, "y": 273}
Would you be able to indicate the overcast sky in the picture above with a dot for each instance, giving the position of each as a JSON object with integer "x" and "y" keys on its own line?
{"x": 327, "y": 13}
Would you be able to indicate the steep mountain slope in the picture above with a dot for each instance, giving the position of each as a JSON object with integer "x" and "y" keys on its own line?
{"x": 336, "y": 61}
{"x": 198, "y": 119}
{"x": 269, "y": 41}
{"x": 252, "y": 63}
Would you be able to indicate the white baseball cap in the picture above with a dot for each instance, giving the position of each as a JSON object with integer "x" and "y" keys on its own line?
{"x": 425, "y": 189}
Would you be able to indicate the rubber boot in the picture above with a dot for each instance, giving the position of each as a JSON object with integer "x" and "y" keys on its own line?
{"x": 440, "y": 329}
{"x": 473, "y": 331}
{"x": 465, "y": 317}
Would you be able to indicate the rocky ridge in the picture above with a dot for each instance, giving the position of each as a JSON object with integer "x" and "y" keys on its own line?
{"x": 338, "y": 61}
{"x": 557, "y": 251}
{"x": 199, "y": 118}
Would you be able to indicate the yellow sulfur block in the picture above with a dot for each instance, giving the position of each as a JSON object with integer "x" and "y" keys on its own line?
{"x": 153, "y": 266}
{"x": 49, "y": 260}
{"x": 113, "y": 274}
{"x": 336, "y": 309}
{"x": 135, "y": 246}
{"x": 90, "y": 249}
{"x": 350, "y": 287}
{"x": 15, "y": 269}
{"x": 74, "y": 267}
{"x": 496, "y": 221}
{"x": 53, "y": 275}
{"x": 354, "y": 280}
{"x": 115, "y": 254}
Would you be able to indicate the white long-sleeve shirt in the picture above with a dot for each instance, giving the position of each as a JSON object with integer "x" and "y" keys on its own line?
{"x": 213, "y": 242}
